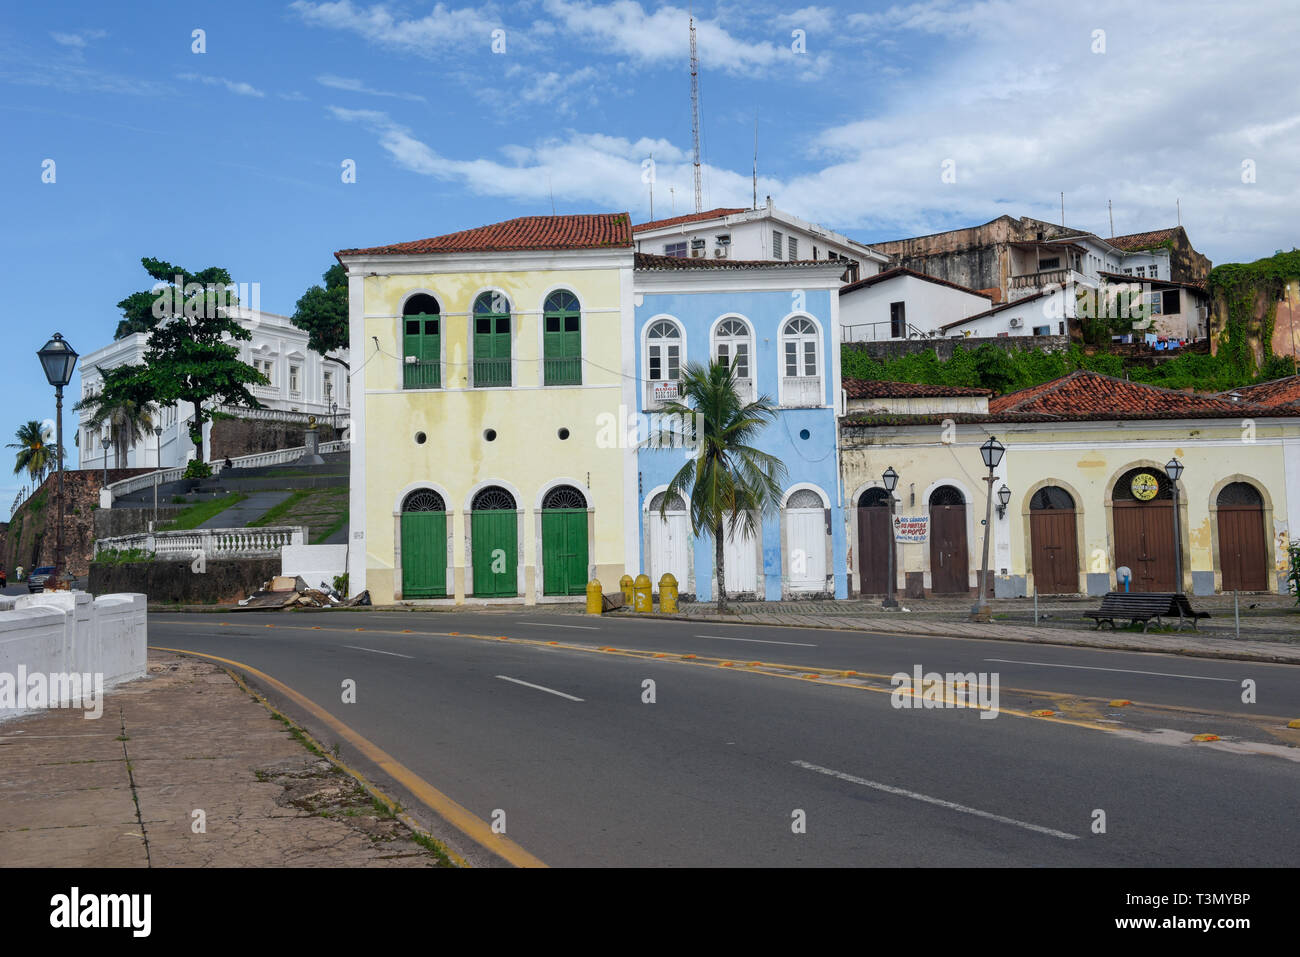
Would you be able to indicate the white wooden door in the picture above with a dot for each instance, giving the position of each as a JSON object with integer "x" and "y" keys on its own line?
{"x": 741, "y": 556}
{"x": 669, "y": 540}
{"x": 805, "y": 530}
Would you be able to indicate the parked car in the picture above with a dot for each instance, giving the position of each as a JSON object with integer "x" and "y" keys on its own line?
{"x": 36, "y": 580}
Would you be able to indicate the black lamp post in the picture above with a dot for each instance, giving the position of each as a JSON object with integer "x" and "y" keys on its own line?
{"x": 890, "y": 480}
{"x": 992, "y": 452}
{"x": 1174, "y": 469}
{"x": 105, "y": 443}
{"x": 57, "y": 360}
{"x": 1004, "y": 499}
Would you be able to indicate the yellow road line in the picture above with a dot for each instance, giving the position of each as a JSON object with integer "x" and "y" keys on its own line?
{"x": 460, "y": 817}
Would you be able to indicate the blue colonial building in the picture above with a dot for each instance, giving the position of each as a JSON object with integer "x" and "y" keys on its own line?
{"x": 778, "y": 322}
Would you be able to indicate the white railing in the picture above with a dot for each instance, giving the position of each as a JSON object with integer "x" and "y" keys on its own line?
{"x": 281, "y": 415}
{"x": 111, "y": 493}
{"x": 801, "y": 391}
{"x": 745, "y": 390}
{"x": 214, "y": 543}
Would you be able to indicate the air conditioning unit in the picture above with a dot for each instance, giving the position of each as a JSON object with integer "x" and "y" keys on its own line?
{"x": 720, "y": 252}
{"x": 697, "y": 253}
{"x": 1016, "y": 323}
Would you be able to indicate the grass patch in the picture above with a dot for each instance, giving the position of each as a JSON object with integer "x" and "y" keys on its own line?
{"x": 322, "y": 510}
{"x": 196, "y": 515}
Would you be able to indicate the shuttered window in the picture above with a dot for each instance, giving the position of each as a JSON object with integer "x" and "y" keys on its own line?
{"x": 562, "y": 339}
{"x": 421, "y": 344}
{"x": 491, "y": 340}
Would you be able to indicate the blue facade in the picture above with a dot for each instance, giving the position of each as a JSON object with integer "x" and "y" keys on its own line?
{"x": 804, "y": 438}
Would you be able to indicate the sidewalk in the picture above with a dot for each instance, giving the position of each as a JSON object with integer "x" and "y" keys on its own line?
{"x": 122, "y": 791}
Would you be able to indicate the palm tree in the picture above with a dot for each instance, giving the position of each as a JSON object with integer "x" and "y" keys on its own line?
{"x": 37, "y": 452}
{"x": 728, "y": 481}
{"x": 129, "y": 421}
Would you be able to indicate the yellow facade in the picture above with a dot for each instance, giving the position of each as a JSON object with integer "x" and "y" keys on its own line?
{"x": 527, "y": 456}
{"x": 1086, "y": 459}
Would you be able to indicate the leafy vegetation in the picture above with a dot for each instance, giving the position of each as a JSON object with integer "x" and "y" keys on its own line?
{"x": 196, "y": 515}
{"x": 1293, "y": 571}
{"x": 197, "y": 469}
{"x": 114, "y": 556}
{"x": 322, "y": 312}
{"x": 1244, "y": 288}
{"x": 38, "y": 453}
{"x": 322, "y": 510}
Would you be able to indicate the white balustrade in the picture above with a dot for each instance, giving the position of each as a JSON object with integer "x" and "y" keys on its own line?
{"x": 213, "y": 543}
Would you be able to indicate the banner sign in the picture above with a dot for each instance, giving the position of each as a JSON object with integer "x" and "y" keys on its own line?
{"x": 911, "y": 529}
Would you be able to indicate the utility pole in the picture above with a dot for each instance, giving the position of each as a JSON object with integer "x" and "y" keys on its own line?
{"x": 755, "y": 206}
{"x": 695, "y": 117}
{"x": 1111, "y": 209}
{"x": 1062, "y": 207}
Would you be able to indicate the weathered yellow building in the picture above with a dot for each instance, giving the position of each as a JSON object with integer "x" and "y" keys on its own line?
{"x": 1088, "y": 491}
{"x": 487, "y": 366}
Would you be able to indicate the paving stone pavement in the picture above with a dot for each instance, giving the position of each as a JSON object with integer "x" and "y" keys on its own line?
{"x": 120, "y": 791}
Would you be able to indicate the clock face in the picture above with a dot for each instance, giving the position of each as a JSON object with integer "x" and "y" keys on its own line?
{"x": 1144, "y": 486}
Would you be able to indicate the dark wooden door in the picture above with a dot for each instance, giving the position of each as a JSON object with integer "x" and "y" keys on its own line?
{"x": 949, "y": 564}
{"x": 1144, "y": 541}
{"x": 874, "y": 536}
{"x": 1243, "y": 552}
{"x": 1055, "y": 551}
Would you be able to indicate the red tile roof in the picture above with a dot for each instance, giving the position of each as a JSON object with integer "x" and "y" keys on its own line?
{"x": 596, "y": 231}
{"x": 1145, "y": 240}
{"x": 653, "y": 261}
{"x": 878, "y": 389}
{"x": 690, "y": 218}
{"x": 1274, "y": 393}
{"x": 1086, "y": 394}
{"x": 898, "y": 271}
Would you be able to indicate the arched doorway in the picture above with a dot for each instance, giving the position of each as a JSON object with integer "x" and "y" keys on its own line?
{"x": 949, "y": 555}
{"x": 874, "y": 538}
{"x": 1144, "y": 528}
{"x": 1243, "y": 546}
{"x": 494, "y": 543}
{"x": 424, "y": 545}
{"x": 806, "y": 533}
{"x": 668, "y": 540}
{"x": 1054, "y": 543}
{"x": 564, "y": 542}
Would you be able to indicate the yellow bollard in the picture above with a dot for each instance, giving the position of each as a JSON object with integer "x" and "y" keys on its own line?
{"x": 594, "y": 595}
{"x": 642, "y": 602}
{"x": 625, "y": 586}
{"x": 668, "y": 594}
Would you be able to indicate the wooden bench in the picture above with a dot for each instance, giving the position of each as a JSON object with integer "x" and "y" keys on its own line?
{"x": 1143, "y": 607}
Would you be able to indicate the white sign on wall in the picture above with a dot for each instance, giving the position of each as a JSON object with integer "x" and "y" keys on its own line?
{"x": 911, "y": 529}
{"x": 665, "y": 391}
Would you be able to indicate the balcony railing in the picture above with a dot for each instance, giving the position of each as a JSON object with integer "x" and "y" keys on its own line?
{"x": 1034, "y": 280}
{"x": 745, "y": 389}
{"x": 491, "y": 372}
{"x": 217, "y": 543}
{"x": 422, "y": 374}
{"x": 660, "y": 391}
{"x": 801, "y": 390}
{"x": 567, "y": 371}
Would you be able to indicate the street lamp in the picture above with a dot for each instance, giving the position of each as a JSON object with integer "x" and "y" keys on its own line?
{"x": 57, "y": 360}
{"x": 1174, "y": 469}
{"x": 1004, "y": 499}
{"x": 890, "y": 480}
{"x": 992, "y": 452}
{"x": 105, "y": 443}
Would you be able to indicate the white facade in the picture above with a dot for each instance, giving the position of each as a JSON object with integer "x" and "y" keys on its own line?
{"x": 901, "y": 304}
{"x": 301, "y": 381}
{"x": 755, "y": 235}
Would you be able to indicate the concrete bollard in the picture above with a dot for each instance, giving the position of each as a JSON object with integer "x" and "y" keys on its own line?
{"x": 625, "y": 586}
{"x": 594, "y": 596}
{"x": 668, "y": 594}
{"x": 642, "y": 603}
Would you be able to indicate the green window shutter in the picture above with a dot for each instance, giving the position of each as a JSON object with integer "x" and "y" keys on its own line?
{"x": 422, "y": 339}
{"x": 562, "y": 341}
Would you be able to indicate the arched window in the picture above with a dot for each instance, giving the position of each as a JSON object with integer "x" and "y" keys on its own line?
{"x": 421, "y": 343}
{"x": 1051, "y": 497}
{"x": 731, "y": 346}
{"x": 423, "y": 500}
{"x": 947, "y": 495}
{"x": 493, "y": 498}
{"x": 674, "y": 505}
{"x": 804, "y": 498}
{"x": 491, "y": 340}
{"x": 1145, "y": 484}
{"x": 663, "y": 363}
{"x": 564, "y": 496}
{"x": 1239, "y": 493}
{"x": 801, "y": 380}
{"x": 562, "y": 339}
{"x": 874, "y": 498}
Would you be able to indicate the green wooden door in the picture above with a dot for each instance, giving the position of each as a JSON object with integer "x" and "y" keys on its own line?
{"x": 424, "y": 554}
{"x": 495, "y": 544}
{"x": 564, "y": 551}
{"x": 492, "y": 350}
{"x": 422, "y": 342}
{"x": 562, "y": 351}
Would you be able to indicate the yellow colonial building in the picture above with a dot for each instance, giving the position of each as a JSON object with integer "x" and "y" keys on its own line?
{"x": 488, "y": 368}
{"x": 1087, "y": 488}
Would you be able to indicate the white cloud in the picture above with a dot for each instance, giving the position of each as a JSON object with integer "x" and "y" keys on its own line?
{"x": 352, "y": 85}
{"x": 238, "y": 87}
{"x": 427, "y": 36}
{"x": 78, "y": 41}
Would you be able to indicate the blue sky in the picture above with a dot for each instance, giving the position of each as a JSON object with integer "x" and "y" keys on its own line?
{"x": 233, "y": 156}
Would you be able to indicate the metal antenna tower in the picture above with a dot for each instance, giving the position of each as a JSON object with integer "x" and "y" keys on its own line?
{"x": 695, "y": 117}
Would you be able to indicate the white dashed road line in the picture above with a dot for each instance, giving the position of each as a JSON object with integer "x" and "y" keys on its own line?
{"x": 1124, "y": 671}
{"x": 378, "y": 652}
{"x": 759, "y": 641}
{"x": 529, "y": 684}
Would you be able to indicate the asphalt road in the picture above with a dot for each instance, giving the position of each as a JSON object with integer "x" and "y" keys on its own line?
{"x": 715, "y": 771}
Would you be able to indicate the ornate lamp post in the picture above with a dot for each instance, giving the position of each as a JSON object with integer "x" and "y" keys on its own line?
{"x": 105, "y": 443}
{"x": 992, "y": 452}
{"x": 1174, "y": 469}
{"x": 57, "y": 360}
{"x": 1004, "y": 499}
{"x": 890, "y": 480}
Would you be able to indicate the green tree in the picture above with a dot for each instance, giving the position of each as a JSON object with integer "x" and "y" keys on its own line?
{"x": 37, "y": 450}
{"x": 190, "y": 356}
{"x": 728, "y": 481}
{"x": 322, "y": 312}
{"x": 127, "y": 419}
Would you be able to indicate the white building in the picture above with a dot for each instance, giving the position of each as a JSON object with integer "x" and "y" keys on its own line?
{"x": 765, "y": 233}
{"x": 302, "y": 381}
{"x": 903, "y": 304}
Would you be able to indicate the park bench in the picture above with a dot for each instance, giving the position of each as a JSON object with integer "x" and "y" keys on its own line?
{"x": 1143, "y": 607}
